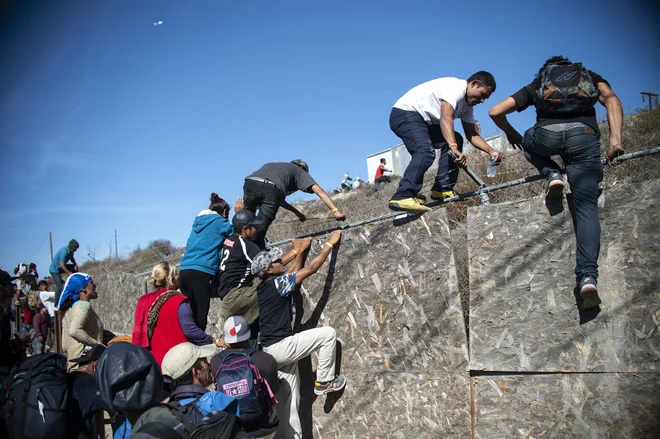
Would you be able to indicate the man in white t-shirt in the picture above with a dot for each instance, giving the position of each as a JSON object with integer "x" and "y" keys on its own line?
{"x": 424, "y": 119}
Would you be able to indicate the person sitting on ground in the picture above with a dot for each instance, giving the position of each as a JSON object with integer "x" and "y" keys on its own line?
{"x": 41, "y": 325}
{"x": 81, "y": 326}
{"x": 237, "y": 335}
{"x": 267, "y": 188}
{"x": 188, "y": 367}
{"x": 380, "y": 176}
{"x": 163, "y": 318}
{"x": 202, "y": 256}
{"x": 424, "y": 119}
{"x": 86, "y": 408}
{"x": 569, "y": 128}
{"x": 345, "y": 183}
{"x": 357, "y": 183}
{"x": 59, "y": 266}
{"x": 277, "y": 337}
{"x": 236, "y": 285}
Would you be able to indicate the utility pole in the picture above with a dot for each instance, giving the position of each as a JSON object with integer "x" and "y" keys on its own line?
{"x": 50, "y": 238}
{"x": 116, "y": 251}
{"x": 650, "y": 96}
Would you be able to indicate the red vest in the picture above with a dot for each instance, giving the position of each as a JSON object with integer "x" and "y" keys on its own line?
{"x": 168, "y": 332}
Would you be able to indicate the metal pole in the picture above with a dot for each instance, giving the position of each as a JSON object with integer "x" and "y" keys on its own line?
{"x": 50, "y": 238}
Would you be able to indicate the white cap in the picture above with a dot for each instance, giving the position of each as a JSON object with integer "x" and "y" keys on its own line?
{"x": 181, "y": 358}
{"x": 237, "y": 329}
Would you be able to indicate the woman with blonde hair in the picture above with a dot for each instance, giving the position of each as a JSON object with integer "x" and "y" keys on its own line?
{"x": 163, "y": 318}
{"x": 81, "y": 326}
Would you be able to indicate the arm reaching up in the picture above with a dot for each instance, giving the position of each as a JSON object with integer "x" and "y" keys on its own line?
{"x": 318, "y": 190}
{"x": 318, "y": 261}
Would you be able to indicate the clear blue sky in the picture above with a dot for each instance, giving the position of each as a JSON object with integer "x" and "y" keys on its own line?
{"x": 108, "y": 122}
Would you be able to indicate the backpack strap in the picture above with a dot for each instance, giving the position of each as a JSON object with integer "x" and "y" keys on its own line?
{"x": 154, "y": 311}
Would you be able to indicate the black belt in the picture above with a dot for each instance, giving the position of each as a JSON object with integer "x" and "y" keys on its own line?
{"x": 261, "y": 180}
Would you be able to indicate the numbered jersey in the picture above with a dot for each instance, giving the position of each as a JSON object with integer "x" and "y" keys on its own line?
{"x": 235, "y": 263}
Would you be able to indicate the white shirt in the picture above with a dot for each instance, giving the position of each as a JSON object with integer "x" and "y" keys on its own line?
{"x": 48, "y": 299}
{"x": 425, "y": 99}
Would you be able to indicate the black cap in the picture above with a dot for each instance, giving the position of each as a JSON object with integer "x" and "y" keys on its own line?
{"x": 90, "y": 353}
{"x": 244, "y": 218}
{"x": 128, "y": 378}
{"x": 301, "y": 163}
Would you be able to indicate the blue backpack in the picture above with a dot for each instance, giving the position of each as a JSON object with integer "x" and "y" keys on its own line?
{"x": 237, "y": 376}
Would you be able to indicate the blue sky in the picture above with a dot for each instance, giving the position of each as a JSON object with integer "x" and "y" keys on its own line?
{"x": 108, "y": 122}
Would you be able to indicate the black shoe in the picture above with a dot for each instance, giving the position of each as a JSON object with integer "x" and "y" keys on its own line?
{"x": 555, "y": 186}
{"x": 589, "y": 292}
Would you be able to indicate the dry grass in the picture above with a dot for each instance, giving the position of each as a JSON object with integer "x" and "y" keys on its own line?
{"x": 641, "y": 131}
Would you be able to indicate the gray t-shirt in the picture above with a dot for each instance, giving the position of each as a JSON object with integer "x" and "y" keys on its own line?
{"x": 288, "y": 177}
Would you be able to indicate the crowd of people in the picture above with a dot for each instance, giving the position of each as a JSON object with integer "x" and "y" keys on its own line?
{"x": 156, "y": 383}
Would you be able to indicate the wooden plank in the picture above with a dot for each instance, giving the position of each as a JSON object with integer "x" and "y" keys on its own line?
{"x": 590, "y": 406}
{"x": 523, "y": 312}
{"x": 393, "y": 406}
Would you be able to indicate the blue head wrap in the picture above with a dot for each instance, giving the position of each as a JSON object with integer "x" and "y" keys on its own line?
{"x": 74, "y": 285}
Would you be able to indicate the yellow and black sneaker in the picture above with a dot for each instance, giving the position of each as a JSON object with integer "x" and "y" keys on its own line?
{"x": 442, "y": 195}
{"x": 411, "y": 205}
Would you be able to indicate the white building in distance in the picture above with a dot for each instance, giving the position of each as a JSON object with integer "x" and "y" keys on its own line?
{"x": 398, "y": 157}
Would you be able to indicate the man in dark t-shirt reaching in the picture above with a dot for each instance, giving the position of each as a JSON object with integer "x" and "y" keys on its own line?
{"x": 236, "y": 286}
{"x": 267, "y": 188}
{"x": 277, "y": 336}
{"x": 563, "y": 94}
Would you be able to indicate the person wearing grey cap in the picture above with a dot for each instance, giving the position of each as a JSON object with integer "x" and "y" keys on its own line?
{"x": 59, "y": 266}
{"x": 277, "y": 336}
{"x": 237, "y": 287}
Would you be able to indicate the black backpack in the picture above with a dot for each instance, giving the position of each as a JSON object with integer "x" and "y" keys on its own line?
{"x": 176, "y": 424}
{"x": 38, "y": 396}
{"x": 566, "y": 88}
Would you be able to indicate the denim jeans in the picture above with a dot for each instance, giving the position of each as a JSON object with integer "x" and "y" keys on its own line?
{"x": 421, "y": 141}
{"x": 579, "y": 148}
{"x": 265, "y": 198}
{"x": 57, "y": 278}
{"x": 37, "y": 346}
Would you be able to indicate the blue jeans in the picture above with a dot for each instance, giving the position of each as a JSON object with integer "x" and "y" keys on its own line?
{"x": 57, "y": 278}
{"x": 579, "y": 148}
{"x": 421, "y": 141}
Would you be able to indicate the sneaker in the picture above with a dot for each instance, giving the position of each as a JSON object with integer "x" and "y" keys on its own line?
{"x": 589, "y": 292}
{"x": 555, "y": 186}
{"x": 331, "y": 386}
{"x": 442, "y": 195}
{"x": 411, "y": 205}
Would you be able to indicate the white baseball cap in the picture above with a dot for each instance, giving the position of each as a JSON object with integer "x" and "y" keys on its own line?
{"x": 181, "y": 358}
{"x": 237, "y": 329}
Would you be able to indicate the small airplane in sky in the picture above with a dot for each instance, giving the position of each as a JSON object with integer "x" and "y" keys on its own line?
{"x": 157, "y": 23}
